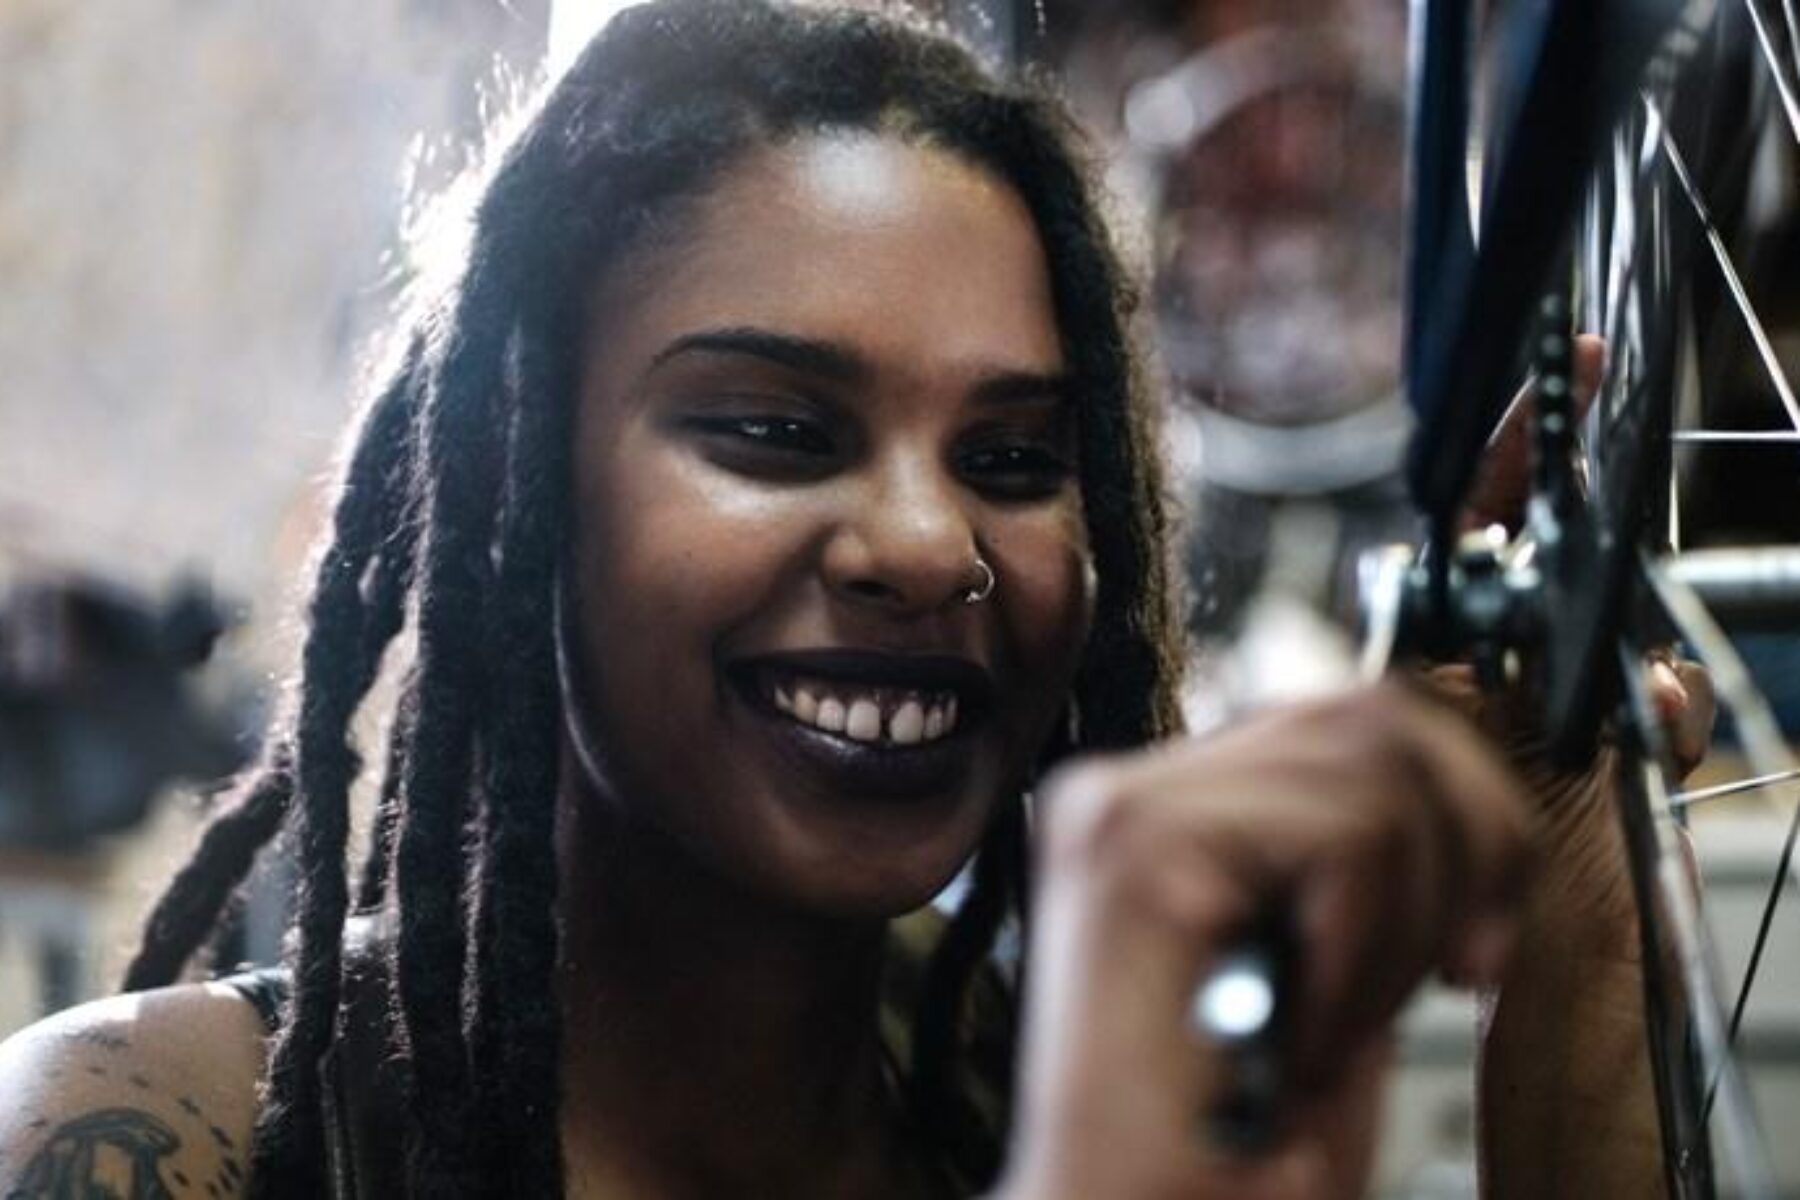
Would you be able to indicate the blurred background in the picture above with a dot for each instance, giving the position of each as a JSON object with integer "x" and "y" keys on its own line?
{"x": 201, "y": 210}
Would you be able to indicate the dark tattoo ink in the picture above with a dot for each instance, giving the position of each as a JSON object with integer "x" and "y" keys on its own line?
{"x": 97, "y": 1072}
{"x": 189, "y": 1107}
{"x": 140, "y": 1081}
{"x": 100, "y": 1038}
{"x": 114, "y": 1153}
{"x": 182, "y": 1179}
{"x": 223, "y": 1138}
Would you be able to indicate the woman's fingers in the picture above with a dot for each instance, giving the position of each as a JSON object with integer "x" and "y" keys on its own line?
{"x": 1503, "y": 480}
{"x": 1682, "y": 692}
{"x": 1112, "y": 1087}
{"x": 1431, "y": 879}
{"x": 1390, "y": 836}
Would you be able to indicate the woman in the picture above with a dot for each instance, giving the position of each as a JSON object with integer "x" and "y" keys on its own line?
{"x": 775, "y": 504}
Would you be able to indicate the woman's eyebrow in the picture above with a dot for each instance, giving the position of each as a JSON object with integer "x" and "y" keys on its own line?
{"x": 829, "y": 360}
{"x": 1023, "y": 387}
{"x": 809, "y": 355}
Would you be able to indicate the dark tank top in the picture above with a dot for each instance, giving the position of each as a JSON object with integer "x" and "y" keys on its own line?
{"x": 267, "y": 990}
{"x": 363, "y": 1088}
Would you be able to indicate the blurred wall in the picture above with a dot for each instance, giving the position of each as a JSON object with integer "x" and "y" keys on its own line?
{"x": 197, "y": 202}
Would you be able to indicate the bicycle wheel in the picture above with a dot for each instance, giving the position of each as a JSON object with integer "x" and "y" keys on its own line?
{"x": 1620, "y": 192}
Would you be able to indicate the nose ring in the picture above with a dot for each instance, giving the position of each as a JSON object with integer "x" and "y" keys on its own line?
{"x": 985, "y": 588}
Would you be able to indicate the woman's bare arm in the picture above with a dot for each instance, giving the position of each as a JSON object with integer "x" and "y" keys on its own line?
{"x": 1567, "y": 1102}
{"x": 128, "y": 1093}
{"x": 1567, "y": 1099}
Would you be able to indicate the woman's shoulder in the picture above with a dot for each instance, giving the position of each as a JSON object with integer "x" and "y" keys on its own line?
{"x": 126, "y": 1093}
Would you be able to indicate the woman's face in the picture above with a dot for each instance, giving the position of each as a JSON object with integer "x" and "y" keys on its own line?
{"x": 801, "y": 421}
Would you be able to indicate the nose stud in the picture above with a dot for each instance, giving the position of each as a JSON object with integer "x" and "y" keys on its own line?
{"x": 982, "y": 590}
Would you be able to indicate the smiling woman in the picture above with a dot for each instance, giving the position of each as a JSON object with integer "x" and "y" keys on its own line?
{"x": 775, "y": 503}
{"x": 760, "y": 369}
{"x": 793, "y": 479}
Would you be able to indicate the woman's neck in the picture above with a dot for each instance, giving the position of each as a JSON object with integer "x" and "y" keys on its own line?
{"x": 715, "y": 1042}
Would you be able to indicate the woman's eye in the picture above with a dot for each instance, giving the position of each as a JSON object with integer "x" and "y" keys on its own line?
{"x": 764, "y": 443}
{"x": 783, "y": 433}
{"x": 1018, "y": 471}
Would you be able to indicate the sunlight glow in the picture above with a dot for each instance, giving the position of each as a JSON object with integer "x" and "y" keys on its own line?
{"x": 572, "y": 23}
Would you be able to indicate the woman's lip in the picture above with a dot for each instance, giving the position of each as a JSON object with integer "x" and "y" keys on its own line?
{"x": 875, "y": 770}
{"x": 868, "y": 770}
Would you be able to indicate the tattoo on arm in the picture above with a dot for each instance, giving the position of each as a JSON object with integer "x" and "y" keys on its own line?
{"x": 99, "y": 1037}
{"x": 123, "y": 1153}
{"x": 115, "y": 1152}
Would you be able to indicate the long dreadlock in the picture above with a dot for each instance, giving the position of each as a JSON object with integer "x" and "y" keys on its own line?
{"x": 455, "y": 509}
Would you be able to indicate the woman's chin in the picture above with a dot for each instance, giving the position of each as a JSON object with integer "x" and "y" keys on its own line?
{"x": 869, "y": 889}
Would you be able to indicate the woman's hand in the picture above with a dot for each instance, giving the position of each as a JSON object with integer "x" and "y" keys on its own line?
{"x": 1396, "y": 839}
{"x": 1566, "y": 1098}
{"x": 1566, "y": 1102}
{"x": 1503, "y": 480}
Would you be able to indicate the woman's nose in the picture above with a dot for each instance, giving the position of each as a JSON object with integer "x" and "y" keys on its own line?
{"x": 908, "y": 544}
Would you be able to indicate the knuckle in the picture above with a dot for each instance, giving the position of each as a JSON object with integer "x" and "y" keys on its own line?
{"x": 1379, "y": 844}
{"x": 1135, "y": 841}
{"x": 1376, "y": 737}
{"x": 1375, "y": 719}
{"x": 1395, "y": 719}
{"x": 1087, "y": 813}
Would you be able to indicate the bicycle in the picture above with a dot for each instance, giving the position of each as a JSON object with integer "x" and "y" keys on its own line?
{"x": 1613, "y": 142}
{"x": 1605, "y": 124}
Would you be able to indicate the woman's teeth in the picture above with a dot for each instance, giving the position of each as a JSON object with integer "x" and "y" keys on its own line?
{"x": 869, "y": 714}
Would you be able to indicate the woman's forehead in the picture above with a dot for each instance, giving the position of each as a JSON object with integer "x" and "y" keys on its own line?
{"x": 903, "y": 249}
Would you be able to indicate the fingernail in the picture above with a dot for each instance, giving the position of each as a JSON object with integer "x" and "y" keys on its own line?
{"x": 1666, "y": 686}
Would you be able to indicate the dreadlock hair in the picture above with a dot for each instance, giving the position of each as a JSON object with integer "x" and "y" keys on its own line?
{"x": 454, "y": 513}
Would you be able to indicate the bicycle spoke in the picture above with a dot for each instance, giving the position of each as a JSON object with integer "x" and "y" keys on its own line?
{"x": 1734, "y": 282}
{"x": 1784, "y": 86}
{"x": 1791, "y": 13}
{"x": 1739, "y": 788}
{"x": 1783, "y": 871}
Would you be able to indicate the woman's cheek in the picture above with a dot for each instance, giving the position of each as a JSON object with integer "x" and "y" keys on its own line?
{"x": 1046, "y": 567}
{"x": 676, "y": 525}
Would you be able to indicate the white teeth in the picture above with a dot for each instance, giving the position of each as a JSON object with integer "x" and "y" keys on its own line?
{"x": 864, "y": 723}
{"x": 908, "y": 725}
{"x": 867, "y": 714}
